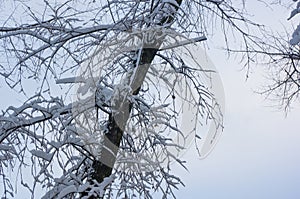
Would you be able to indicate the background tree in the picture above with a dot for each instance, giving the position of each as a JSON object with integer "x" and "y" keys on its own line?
{"x": 279, "y": 52}
{"x": 43, "y": 43}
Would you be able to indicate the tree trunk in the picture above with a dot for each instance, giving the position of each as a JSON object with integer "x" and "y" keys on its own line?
{"x": 116, "y": 130}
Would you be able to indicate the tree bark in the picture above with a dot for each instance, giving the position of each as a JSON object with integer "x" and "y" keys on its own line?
{"x": 116, "y": 130}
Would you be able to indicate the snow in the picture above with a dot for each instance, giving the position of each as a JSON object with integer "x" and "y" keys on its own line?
{"x": 185, "y": 42}
{"x": 296, "y": 34}
{"x": 104, "y": 96}
{"x": 83, "y": 187}
{"x": 56, "y": 122}
{"x": 174, "y": 2}
{"x": 70, "y": 80}
{"x": 69, "y": 189}
{"x": 89, "y": 83}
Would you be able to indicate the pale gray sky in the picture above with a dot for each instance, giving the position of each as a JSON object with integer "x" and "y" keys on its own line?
{"x": 258, "y": 155}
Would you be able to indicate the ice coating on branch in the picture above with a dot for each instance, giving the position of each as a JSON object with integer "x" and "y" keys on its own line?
{"x": 61, "y": 150}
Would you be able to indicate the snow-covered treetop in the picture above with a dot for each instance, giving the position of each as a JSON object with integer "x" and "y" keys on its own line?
{"x": 119, "y": 134}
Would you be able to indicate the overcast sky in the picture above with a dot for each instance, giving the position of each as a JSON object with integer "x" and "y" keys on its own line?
{"x": 258, "y": 155}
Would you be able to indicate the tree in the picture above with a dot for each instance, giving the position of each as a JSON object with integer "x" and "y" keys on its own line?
{"x": 280, "y": 53}
{"x": 286, "y": 58}
{"x": 117, "y": 137}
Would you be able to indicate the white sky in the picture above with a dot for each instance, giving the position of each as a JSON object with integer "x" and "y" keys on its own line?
{"x": 258, "y": 155}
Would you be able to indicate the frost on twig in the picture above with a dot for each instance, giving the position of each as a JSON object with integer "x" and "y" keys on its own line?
{"x": 60, "y": 138}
